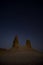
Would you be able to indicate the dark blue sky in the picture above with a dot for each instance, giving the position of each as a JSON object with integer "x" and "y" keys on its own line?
{"x": 24, "y": 19}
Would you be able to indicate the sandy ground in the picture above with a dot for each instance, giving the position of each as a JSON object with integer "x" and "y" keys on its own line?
{"x": 21, "y": 56}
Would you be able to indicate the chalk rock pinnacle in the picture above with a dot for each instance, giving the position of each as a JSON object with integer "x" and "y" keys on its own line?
{"x": 16, "y": 42}
{"x": 28, "y": 44}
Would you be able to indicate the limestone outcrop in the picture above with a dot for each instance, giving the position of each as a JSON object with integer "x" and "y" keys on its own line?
{"x": 28, "y": 44}
{"x": 15, "y": 42}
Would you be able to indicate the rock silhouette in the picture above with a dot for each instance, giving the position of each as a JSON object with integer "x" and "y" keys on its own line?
{"x": 28, "y": 44}
{"x": 15, "y": 42}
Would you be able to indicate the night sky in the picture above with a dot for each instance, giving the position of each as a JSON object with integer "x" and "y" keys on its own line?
{"x": 24, "y": 19}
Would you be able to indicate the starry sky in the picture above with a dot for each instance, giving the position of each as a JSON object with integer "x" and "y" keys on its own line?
{"x": 24, "y": 19}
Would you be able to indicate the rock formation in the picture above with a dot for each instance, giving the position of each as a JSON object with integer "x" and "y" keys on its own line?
{"x": 15, "y": 42}
{"x": 28, "y": 44}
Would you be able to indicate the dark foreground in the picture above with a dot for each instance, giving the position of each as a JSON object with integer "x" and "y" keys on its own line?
{"x": 21, "y": 57}
{"x": 38, "y": 63}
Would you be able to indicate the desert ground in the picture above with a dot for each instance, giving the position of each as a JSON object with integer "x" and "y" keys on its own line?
{"x": 21, "y": 56}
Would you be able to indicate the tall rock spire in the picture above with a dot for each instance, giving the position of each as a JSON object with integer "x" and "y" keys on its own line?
{"x": 15, "y": 42}
{"x": 28, "y": 44}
